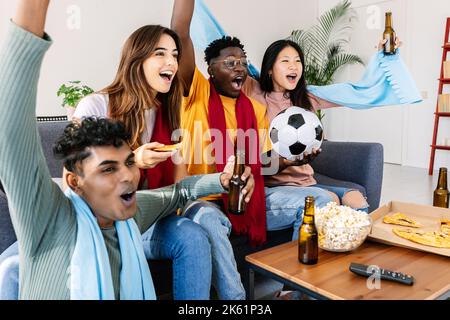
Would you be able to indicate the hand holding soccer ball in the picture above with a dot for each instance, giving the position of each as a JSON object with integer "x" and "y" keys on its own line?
{"x": 294, "y": 132}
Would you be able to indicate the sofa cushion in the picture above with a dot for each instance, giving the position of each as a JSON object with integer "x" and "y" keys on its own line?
{"x": 7, "y": 234}
{"x": 49, "y": 132}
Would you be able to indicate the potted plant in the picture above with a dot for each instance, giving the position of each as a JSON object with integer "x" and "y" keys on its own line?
{"x": 323, "y": 45}
{"x": 72, "y": 93}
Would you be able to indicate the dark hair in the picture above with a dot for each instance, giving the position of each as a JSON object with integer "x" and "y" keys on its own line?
{"x": 298, "y": 96}
{"x": 130, "y": 94}
{"x": 91, "y": 132}
{"x": 214, "y": 48}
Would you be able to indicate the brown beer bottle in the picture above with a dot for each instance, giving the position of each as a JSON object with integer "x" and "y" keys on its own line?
{"x": 441, "y": 194}
{"x": 236, "y": 200}
{"x": 389, "y": 34}
{"x": 308, "y": 239}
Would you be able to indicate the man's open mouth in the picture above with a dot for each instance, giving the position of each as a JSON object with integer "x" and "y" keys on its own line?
{"x": 237, "y": 82}
{"x": 128, "y": 198}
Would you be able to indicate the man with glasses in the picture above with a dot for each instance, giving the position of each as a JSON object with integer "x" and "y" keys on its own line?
{"x": 232, "y": 63}
{"x": 216, "y": 112}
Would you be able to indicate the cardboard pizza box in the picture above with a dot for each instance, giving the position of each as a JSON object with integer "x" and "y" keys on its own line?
{"x": 428, "y": 216}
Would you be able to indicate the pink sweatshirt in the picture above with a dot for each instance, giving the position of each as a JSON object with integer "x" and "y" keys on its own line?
{"x": 275, "y": 103}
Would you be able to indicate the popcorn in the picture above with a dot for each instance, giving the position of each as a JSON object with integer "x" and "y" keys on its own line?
{"x": 341, "y": 228}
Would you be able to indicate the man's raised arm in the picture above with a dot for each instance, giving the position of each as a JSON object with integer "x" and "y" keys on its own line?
{"x": 181, "y": 24}
{"x": 31, "y": 14}
{"x": 33, "y": 199}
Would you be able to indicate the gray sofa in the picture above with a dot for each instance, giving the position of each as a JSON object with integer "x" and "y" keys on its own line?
{"x": 356, "y": 165}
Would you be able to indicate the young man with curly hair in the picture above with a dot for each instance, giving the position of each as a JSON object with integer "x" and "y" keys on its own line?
{"x": 84, "y": 243}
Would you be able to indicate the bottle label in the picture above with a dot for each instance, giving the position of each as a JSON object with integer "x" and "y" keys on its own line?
{"x": 388, "y": 43}
{"x": 236, "y": 204}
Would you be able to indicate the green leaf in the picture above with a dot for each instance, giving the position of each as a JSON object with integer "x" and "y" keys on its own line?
{"x": 73, "y": 93}
{"x": 323, "y": 44}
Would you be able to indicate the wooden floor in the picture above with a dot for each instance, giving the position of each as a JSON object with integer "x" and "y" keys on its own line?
{"x": 405, "y": 184}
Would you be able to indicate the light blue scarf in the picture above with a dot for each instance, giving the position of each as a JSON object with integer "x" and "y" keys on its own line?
{"x": 90, "y": 271}
{"x": 386, "y": 81}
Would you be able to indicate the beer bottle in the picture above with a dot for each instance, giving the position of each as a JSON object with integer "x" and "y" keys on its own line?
{"x": 236, "y": 200}
{"x": 389, "y": 34}
{"x": 441, "y": 194}
{"x": 308, "y": 245}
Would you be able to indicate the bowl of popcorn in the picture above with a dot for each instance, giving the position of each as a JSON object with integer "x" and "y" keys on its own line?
{"x": 341, "y": 228}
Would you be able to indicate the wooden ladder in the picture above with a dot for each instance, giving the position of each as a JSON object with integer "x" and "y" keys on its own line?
{"x": 438, "y": 114}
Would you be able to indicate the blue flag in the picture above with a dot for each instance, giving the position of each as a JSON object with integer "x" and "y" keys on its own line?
{"x": 386, "y": 80}
{"x": 205, "y": 29}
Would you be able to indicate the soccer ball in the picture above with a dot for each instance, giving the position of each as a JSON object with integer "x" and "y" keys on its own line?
{"x": 295, "y": 131}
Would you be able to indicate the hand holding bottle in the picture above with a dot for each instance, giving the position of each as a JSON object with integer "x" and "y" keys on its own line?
{"x": 398, "y": 43}
{"x": 247, "y": 176}
{"x": 389, "y": 37}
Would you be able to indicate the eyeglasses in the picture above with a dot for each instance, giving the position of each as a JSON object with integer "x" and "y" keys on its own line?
{"x": 232, "y": 63}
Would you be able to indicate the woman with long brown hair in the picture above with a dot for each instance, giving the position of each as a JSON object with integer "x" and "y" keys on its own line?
{"x": 146, "y": 95}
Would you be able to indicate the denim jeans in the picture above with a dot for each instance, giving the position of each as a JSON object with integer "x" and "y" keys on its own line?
{"x": 175, "y": 238}
{"x": 225, "y": 276}
{"x": 284, "y": 206}
{"x": 9, "y": 273}
{"x": 284, "y": 209}
{"x": 341, "y": 192}
{"x": 187, "y": 245}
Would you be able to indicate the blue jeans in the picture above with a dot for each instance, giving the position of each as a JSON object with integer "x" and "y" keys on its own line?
{"x": 341, "y": 192}
{"x": 187, "y": 245}
{"x": 284, "y": 209}
{"x": 175, "y": 238}
{"x": 284, "y": 206}
{"x": 9, "y": 273}
{"x": 225, "y": 276}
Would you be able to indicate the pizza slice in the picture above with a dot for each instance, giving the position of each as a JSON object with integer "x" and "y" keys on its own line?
{"x": 431, "y": 238}
{"x": 401, "y": 220}
{"x": 167, "y": 148}
{"x": 445, "y": 226}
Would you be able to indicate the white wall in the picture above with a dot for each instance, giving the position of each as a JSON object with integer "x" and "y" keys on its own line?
{"x": 91, "y": 53}
{"x": 421, "y": 25}
{"x": 426, "y": 25}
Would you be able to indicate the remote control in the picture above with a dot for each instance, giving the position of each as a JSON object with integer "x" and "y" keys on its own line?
{"x": 367, "y": 271}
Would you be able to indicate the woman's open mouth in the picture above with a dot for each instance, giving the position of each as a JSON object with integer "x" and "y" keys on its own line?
{"x": 292, "y": 78}
{"x": 167, "y": 76}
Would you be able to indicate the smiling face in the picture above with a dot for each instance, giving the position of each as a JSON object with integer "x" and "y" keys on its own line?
{"x": 287, "y": 70}
{"x": 228, "y": 81}
{"x": 162, "y": 65}
{"x": 108, "y": 183}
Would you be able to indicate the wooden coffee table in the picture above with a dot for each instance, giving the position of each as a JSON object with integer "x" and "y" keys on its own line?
{"x": 331, "y": 278}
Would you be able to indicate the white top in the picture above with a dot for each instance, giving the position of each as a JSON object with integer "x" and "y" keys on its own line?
{"x": 97, "y": 105}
